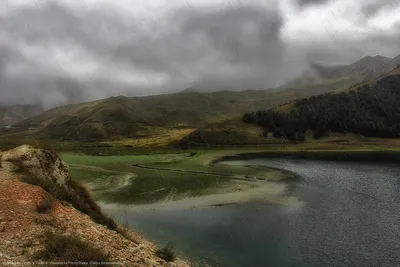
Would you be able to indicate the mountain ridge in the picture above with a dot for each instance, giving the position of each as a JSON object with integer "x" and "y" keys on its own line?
{"x": 134, "y": 117}
{"x": 366, "y": 68}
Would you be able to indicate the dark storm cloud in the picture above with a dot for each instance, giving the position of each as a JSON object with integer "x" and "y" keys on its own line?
{"x": 56, "y": 54}
{"x": 236, "y": 47}
{"x": 241, "y": 35}
{"x": 312, "y": 2}
{"x": 52, "y": 27}
{"x": 372, "y": 7}
{"x": 247, "y": 39}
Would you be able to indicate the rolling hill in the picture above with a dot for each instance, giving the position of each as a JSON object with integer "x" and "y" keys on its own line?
{"x": 133, "y": 117}
{"x": 369, "y": 109}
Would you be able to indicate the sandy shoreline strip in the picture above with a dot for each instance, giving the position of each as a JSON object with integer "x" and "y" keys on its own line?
{"x": 268, "y": 192}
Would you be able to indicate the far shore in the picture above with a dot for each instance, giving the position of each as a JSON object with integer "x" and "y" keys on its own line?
{"x": 331, "y": 155}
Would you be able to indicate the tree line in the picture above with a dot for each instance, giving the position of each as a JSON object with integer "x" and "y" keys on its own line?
{"x": 371, "y": 111}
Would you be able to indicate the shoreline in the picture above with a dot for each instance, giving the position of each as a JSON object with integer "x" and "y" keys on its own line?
{"x": 240, "y": 197}
{"x": 327, "y": 155}
{"x": 264, "y": 190}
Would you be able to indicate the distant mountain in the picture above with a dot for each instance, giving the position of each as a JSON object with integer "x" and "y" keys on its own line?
{"x": 344, "y": 75}
{"x": 13, "y": 114}
{"x": 369, "y": 109}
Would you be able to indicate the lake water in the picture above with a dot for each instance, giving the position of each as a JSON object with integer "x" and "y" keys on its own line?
{"x": 348, "y": 214}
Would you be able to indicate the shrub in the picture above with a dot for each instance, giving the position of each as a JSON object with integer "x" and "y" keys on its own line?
{"x": 70, "y": 249}
{"x": 87, "y": 205}
{"x": 81, "y": 200}
{"x": 45, "y": 204}
{"x": 166, "y": 253}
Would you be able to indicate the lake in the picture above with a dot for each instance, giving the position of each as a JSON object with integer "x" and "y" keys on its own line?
{"x": 348, "y": 214}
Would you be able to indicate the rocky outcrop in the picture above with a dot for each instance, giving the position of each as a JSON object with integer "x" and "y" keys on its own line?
{"x": 41, "y": 163}
{"x": 46, "y": 169}
{"x": 23, "y": 229}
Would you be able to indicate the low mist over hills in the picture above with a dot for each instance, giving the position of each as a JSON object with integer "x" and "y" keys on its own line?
{"x": 328, "y": 77}
{"x": 344, "y": 75}
{"x": 13, "y": 114}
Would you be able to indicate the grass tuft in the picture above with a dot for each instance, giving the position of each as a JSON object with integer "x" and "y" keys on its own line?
{"x": 45, "y": 204}
{"x": 70, "y": 249}
{"x": 166, "y": 253}
{"x": 81, "y": 200}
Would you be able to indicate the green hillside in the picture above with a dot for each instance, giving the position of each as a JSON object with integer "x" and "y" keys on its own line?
{"x": 134, "y": 117}
{"x": 369, "y": 109}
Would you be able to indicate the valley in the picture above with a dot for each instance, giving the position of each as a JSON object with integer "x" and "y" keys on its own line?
{"x": 162, "y": 165}
{"x": 200, "y": 133}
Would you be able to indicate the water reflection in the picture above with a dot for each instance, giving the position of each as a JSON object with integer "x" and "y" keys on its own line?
{"x": 348, "y": 216}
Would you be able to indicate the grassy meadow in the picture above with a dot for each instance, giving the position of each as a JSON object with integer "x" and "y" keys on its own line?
{"x": 150, "y": 169}
{"x": 165, "y": 174}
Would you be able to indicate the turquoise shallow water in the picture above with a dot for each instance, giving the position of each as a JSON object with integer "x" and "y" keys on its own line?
{"x": 348, "y": 215}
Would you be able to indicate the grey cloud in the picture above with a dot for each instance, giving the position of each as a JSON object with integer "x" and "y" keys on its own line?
{"x": 235, "y": 47}
{"x": 192, "y": 47}
{"x": 372, "y": 7}
{"x": 247, "y": 39}
{"x": 335, "y": 54}
{"x": 312, "y": 2}
{"x": 387, "y": 41}
{"x": 242, "y": 35}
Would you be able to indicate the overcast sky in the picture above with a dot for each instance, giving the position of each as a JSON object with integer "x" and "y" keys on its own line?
{"x": 65, "y": 51}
